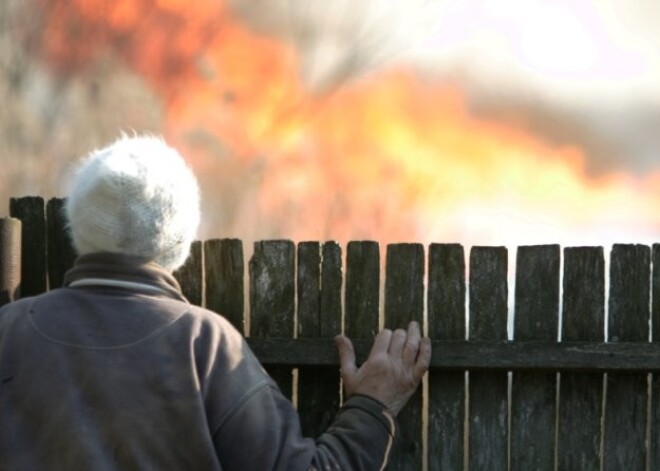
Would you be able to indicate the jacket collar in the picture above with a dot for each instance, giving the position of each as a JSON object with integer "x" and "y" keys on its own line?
{"x": 124, "y": 271}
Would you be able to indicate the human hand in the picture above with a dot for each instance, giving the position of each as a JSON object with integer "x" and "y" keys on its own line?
{"x": 394, "y": 369}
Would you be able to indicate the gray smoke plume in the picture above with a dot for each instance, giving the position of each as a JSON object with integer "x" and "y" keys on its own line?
{"x": 614, "y": 117}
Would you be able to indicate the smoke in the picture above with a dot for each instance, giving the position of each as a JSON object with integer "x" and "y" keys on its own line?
{"x": 340, "y": 40}
{"x": 581, "y": 73}
{"x": 364, "y": 149}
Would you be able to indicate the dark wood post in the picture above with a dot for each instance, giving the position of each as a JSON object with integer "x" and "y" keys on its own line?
{"x": 319, "y": 316}
{"x": 224, "y": 274}
{"x": 272, "y": 298}
{"x": 31, "y": 211}
{"x": 404, "y": 302}
{"x": 488, "y": 397}
{"x": 362, "y": 289}
{"x": 446, "y": 317}
{"x": 654, "y": 416}
{"x": 581, "y": 394}
{"x": 189, "y": 275}
{"x": 534, "y": 394}
{"x": 626, "y": 406}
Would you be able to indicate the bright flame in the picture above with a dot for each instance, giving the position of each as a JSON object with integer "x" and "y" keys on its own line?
{"x": 389, "y": 157}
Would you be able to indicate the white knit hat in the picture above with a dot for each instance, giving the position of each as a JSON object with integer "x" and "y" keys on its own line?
{"x": 137, "y": 197}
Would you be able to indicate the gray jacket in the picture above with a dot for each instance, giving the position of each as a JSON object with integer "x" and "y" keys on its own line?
{"x": 117, "y": 371}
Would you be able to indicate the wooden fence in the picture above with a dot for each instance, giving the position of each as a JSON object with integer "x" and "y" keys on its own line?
{"x": 574, "y": 389}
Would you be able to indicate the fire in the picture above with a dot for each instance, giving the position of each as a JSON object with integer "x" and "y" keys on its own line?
{"x": 388, "y": 157}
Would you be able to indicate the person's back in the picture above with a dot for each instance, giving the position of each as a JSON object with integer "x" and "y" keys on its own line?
{"x": 122, "y": 377}
{"x": 111, "y": 378}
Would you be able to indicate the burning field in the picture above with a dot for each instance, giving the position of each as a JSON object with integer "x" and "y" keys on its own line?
{"x": 379, "y": 152}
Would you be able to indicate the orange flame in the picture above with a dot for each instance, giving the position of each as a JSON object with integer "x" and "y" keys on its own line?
{"x": 387, "y": 157}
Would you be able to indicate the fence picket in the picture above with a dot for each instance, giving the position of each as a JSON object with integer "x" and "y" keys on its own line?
{"x": 31, "y": 211}
{"x": 362, "y": 289}
{"x": 533, "y": 394}
{"x": 404, "y": 302}
{"x": 488, "y": 391}
{"x": 446, "y": 318}
{"x": 319, "y": 316}
{"x": 190, "y": 274}
{"x": 654, "y": 415}
{"x": 626, "y": 405}
{"x": 224, "y": 275}
{"x": 272, "y": 292}
{"x": 581, "y": 394}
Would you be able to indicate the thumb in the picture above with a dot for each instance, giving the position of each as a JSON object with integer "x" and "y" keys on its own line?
{"x": 346, "y": 357}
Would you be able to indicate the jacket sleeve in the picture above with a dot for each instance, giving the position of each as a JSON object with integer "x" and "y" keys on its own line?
{"x": 264, "y": 433}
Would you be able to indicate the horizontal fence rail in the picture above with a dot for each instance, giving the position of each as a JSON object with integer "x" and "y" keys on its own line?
{"x": 546, "y": 365}
{"x": 478, "y": 355}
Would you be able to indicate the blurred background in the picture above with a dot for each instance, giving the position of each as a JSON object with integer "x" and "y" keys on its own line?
{"x": 499, "y": 122}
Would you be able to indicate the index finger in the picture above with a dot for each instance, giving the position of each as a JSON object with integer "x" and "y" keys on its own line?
{"x": 423, "y": 358}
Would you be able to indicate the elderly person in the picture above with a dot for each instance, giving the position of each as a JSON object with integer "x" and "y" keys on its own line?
{"x": 117, "y": 371}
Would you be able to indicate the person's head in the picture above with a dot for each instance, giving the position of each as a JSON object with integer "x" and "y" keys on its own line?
{"x": 135, "y": 197}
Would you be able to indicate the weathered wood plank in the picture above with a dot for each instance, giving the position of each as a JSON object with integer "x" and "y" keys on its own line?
{"x": 319, "y": 316}
{"x": 580, "y": 404}
{"x": 626, "y": 407}
{"x": 319, "y": 289}
{"x": 446, "y": 318}
{"x": 31, "y": 211}
{"x": 654, "y": 416}
{"x": 493, "y": 356}
{"x": 309, "y": 289}
{"x": 362, "y": 289}
{"x": 533, "y": 395}
{"x": 331, "y": 289}
{"x": 655, "y": 294}
{"x": 224, "y": 271}
{"x": 189, "y": 275}
{"x": 60, "y": 251}
{"x": 10, "y": 260}
{"x": 272, "y": 298}
{"x": 404, "y": 302}
{"x": 488, "y": 397}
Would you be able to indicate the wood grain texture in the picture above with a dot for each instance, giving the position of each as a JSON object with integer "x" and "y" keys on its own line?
{"x": 190, "y": 274}
{"x": 581, "y": 394}
{"x": 493, "y": 356}
{"x": 446, "y": 318}
{"x": 362, "y": 295}
{"x": 31, "y": 211}
{"x": 654, "y": 416}
{"x": 629, "y": 313}
{"x": 319, "y": 316}
{"x": 272, "y": 298}
{"x": 404, "y": 302}
{"x": 224, "y": 271}
{"x": 533, "y": 395}
{"x": 488, "y": 391}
